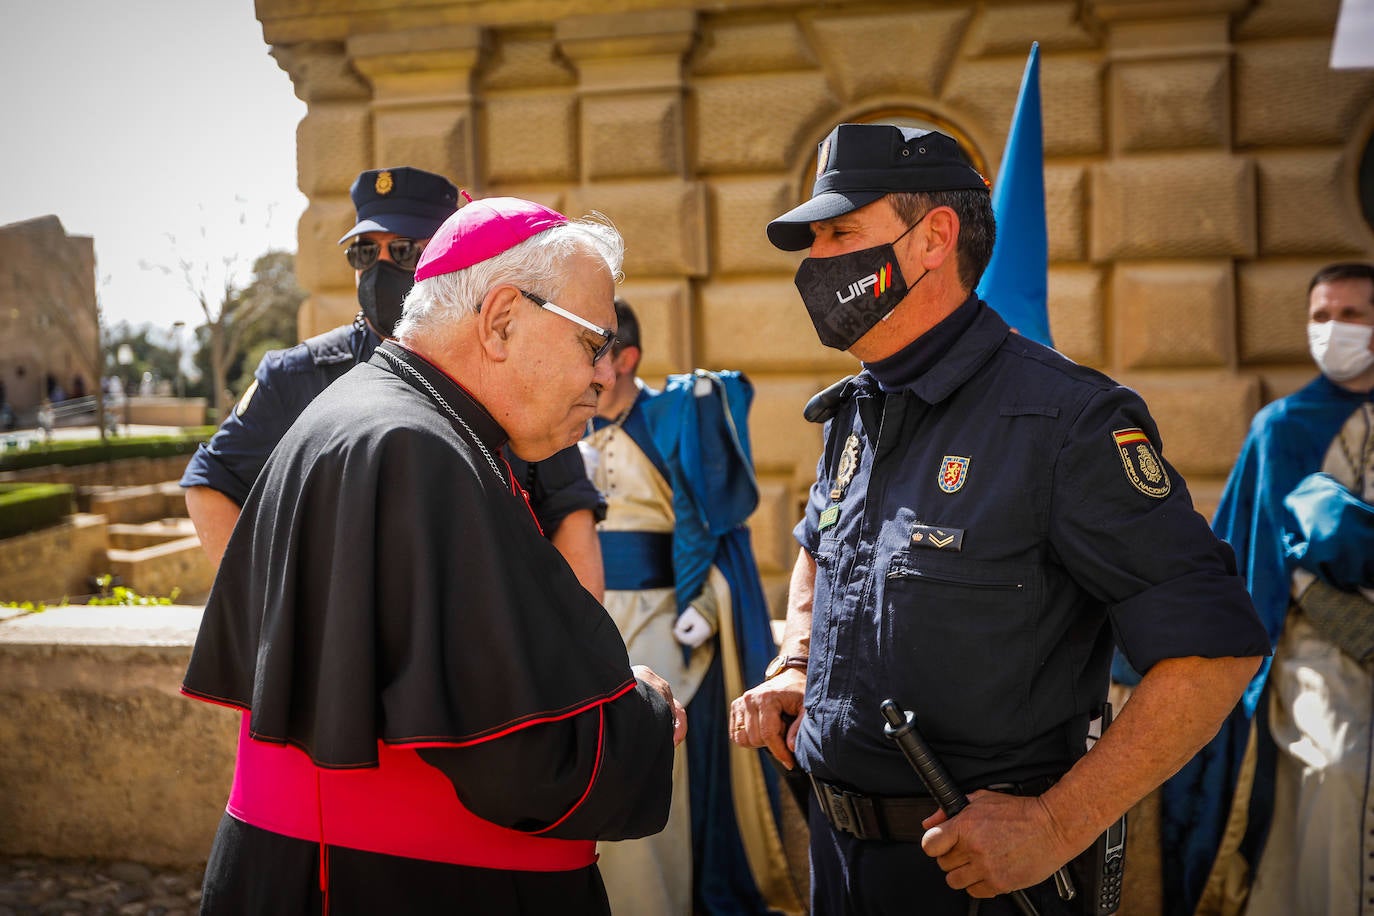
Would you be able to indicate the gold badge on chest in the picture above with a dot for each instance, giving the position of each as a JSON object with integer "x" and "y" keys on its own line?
{"x": 849, "y": 463}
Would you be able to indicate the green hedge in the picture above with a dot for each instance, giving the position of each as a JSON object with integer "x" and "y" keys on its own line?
{"x": 92, "y": 451}
{"x": 27, "y": 507}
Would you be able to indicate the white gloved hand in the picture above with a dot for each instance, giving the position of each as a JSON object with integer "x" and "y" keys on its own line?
{"x": 691, "y": 628}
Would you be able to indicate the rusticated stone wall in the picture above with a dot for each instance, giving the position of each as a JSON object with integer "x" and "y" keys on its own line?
{"x": 1200, "y": 160}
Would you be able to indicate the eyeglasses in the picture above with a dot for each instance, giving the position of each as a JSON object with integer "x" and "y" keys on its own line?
{"x": 607, "y": 333}
{"x": 363, "y": 253}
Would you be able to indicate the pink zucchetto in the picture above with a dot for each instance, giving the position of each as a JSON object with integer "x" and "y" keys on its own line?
{"x": 481, "y": 230}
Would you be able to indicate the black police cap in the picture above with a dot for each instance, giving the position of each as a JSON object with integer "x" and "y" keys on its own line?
{"x": 407, "y": 201}
{"x": 858, "y": 163}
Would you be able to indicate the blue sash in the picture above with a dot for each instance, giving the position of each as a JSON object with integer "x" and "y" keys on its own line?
{"x": 637, "y": 560}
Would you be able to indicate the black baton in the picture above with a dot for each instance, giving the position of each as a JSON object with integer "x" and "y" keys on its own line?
{"x": 901, "y": 728}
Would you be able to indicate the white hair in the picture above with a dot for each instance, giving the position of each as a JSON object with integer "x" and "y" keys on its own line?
{"x": 537, "y": 264}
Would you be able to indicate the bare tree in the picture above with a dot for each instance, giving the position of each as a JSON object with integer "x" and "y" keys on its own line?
{"x": 229, "y": 315}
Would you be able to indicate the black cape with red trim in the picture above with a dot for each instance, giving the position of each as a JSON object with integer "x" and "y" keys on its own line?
{"x": 384, "y": 582}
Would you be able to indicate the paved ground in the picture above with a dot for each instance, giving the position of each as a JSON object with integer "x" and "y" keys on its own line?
{"x": 30, "y": 886}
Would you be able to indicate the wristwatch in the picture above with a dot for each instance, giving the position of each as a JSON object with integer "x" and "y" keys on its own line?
{"x": 782, "y": 663}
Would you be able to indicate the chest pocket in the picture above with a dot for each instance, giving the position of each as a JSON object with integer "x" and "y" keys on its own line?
{"x": 957, "y": 642}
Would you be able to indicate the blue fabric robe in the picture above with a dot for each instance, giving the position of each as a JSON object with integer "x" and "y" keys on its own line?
{"x": 701, "y": 446}
{"x": 1288, "y": 440}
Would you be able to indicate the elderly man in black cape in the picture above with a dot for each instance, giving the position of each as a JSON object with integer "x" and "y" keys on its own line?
{"x": 437, "y": 717}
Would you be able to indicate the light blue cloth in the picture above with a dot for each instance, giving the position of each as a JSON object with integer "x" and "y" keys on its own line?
{"x": 1016, "y": 281}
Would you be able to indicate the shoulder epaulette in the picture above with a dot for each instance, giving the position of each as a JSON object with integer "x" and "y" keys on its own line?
{"x": 332, "y": 347}
{"x": 822, "y": 406}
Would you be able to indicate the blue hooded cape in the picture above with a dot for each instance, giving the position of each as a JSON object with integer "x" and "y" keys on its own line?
{"x": 696, "y": 434}
{"x": 1288, "y": 440}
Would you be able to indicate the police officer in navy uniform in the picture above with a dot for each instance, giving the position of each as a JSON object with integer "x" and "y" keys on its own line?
{"x": 988, "y": 518}
{"x": 398, "y": 210}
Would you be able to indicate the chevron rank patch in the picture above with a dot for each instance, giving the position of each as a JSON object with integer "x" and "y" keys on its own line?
{"x": 1143, "y": 468}
{"x": 947, "y": 539}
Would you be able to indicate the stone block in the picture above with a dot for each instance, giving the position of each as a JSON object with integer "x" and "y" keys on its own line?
{"x": 740, "y": 211}
{"x": 320, "y": 71}
{"x": 1286, "y": 19}
{"x": 728, "y": 47}
{"x": 763, "y": 324}
{"x": 1193, "y": 205}
{"x": 159, "y": 569}
{"x": 1010, "y": 29}
{"x": 525, "y": 61}
{"x": 103, "y": 757}
{"x": 771, "y": 526}
{"x": 762, "y": 122}
{"x": 784, "y": 442}
{"x": 320, "y": 262}
{"x": 1070, "y": 92}
{"x": 129, "y": 505}
{"x": 436, "y": 138}
{"x": 333, "y": 144}
{"x": 323, "y": 311}
{"x": 1064, "y": 206}
{"x": 664, "y": 224}
{"x": 632, "y": 136}
{"x": 1305, "y": 205}
{"x": 665, "y": 325}
{"x": 1286, "y": 94}
{"x": 928, "y": 38}
{"x": 1271, "y": 310}
{"x": 530, "y": 137}
{"x": 1202, "y": 416}
{"x": 54, "y": 562}
{"x": 1173, "y": 314}
{"x": 1171, "y": 104}
{"x": 1076, "y": 314}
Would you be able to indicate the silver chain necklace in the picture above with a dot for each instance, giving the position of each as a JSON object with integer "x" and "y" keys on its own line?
{"x": 439, "y": 398}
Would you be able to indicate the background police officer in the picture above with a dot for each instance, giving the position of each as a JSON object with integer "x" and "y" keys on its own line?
{"x": 986, "y": 515}
{"x": 398, "y": 210}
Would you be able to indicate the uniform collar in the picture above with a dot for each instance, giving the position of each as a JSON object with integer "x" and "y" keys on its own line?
{"x": 934, "y": 365}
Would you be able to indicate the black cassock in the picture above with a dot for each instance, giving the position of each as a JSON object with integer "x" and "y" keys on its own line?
{"x": 386, "y": 584}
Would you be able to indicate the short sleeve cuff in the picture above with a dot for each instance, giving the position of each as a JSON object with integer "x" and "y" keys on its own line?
{"x": 205, "y": 470}
{"x": 1202, "y": 614}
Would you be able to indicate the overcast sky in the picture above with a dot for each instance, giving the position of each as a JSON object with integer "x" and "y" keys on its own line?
{"x": 137, "y": 119}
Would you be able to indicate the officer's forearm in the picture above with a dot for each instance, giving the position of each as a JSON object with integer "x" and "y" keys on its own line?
{"x": 796, "y": 635}
{"x": 214, "y": 516}
{"x": 575, "y": 537}
{"x": 1177, "y": 708}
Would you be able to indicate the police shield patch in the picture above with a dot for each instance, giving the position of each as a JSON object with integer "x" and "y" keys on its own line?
{"x": 953, "y": 472}
{"x": 1143, "y": 468}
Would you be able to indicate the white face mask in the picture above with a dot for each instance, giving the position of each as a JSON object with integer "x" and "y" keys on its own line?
{"x": 1341, "y": 348}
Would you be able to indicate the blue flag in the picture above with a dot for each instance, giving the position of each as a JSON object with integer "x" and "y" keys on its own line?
{"x": 1017, "y": 276}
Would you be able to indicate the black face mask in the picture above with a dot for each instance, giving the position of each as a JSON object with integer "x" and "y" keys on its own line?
{"x": 850, "y": 293}
{"x": 381, "y": 290}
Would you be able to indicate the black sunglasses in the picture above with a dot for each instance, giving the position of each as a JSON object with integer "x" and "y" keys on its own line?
{"x": 363, "y": 253}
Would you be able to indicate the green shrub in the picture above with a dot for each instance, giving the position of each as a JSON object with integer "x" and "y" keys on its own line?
{"x": 27, "y": 507}
{"x": 93, "y": 451}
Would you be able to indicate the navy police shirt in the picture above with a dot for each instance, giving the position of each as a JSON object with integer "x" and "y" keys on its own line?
{"x": 987, "y": 517}
{"x": 288, "y": 380}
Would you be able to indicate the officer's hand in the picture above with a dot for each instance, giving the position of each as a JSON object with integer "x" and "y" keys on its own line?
{"x": 997, "y": 844}
{"x": 756, "y": 719}
{"x": 647, "y": 675}
{"x": 692, "y": 629}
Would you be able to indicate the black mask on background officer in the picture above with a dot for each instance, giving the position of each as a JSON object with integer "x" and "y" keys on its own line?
{"x": 398, "y": 210}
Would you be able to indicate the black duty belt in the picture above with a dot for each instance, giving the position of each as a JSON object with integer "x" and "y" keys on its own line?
{"x": 895, "y": 818}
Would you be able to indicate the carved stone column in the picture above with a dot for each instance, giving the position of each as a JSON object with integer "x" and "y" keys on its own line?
{"x": 1173, "y": 209}
{"x": 333, "y": 144}
{"x": 633, "y": 164}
